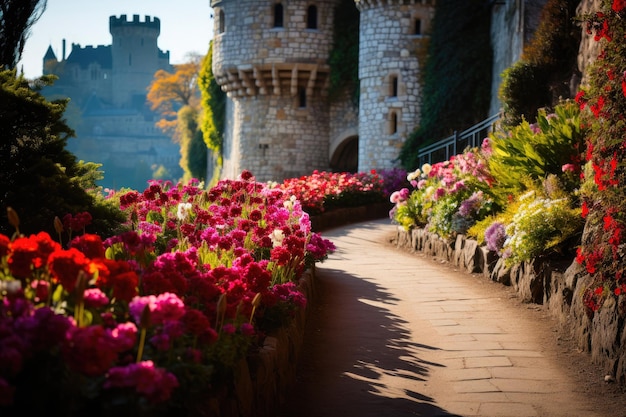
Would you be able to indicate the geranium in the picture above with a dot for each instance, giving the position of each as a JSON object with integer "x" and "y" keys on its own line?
{"x": 191, "y": 282}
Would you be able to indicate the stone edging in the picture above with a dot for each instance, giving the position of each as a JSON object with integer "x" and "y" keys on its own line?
{"x": 557, "y": 285}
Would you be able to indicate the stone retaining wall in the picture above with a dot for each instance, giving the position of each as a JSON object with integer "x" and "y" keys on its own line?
{"x": 556, "y": 284}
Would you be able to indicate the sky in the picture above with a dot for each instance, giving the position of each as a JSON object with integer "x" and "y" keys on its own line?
{"x": 186, "y": 27}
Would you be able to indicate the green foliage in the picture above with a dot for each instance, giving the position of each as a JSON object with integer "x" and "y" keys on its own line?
{"x": 213, "y": 104}
{"x": 523, "y": 91}
{"x": 531, "y": 152}
{"x": 40, "y": 178}
{"x": 193, "y": 150}
{"x": 344, "y": 55}
{"x": 414, "y": 213}
{"x": 540, "y": 225}
{"x": 542, "y": 77}
{"x": 457, "y": 84}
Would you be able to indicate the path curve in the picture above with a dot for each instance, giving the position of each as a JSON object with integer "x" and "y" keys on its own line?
{"x": 396, "y": 334}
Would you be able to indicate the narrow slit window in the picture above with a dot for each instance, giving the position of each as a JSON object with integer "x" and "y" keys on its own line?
{"x": 311, "y": 18}
{"x": 302, "y": 97}
{"x": 393, "y": 123}
{"x": 417, "y": 27}
{"x": 393, "y": 87}
{"x": 222, "y": 21}
{"x": 278, "y": 15}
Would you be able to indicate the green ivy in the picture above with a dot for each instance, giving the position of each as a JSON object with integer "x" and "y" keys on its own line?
{"x": 457, "y": 74}
{"x": 344, "y": 55}
{"x": 214, "y": 106}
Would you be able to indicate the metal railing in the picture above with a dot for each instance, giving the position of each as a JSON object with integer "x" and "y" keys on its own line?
{"x": 443, "y": 149}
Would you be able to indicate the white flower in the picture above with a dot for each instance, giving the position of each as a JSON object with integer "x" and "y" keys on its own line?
{"x": 277, "y": 237}
{"x": 183, "y": 211}
{"x": 288, "y": 204}
{"x": 426, "y": 168}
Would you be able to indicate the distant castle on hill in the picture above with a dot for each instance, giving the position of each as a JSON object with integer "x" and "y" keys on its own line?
{"x": 107, "y": 85}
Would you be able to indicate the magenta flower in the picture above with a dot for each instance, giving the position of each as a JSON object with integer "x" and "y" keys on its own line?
{"x": 155, "y": 384}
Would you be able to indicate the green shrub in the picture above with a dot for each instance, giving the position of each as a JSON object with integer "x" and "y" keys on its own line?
{"x": 529, "y": 153}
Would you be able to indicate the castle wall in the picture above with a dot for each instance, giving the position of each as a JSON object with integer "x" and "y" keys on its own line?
{"x": 250, "y": 38}
{"x": 389, "y": 71}
{"x": 344, "y": 122}
{"x": 275, "y": 139}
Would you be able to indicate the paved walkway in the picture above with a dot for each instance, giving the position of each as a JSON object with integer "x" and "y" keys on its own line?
{"x": 396, "y": 334}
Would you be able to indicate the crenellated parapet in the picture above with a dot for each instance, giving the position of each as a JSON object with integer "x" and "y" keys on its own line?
{"x": 123, "y": 22}
{"x": 365, "y": 4}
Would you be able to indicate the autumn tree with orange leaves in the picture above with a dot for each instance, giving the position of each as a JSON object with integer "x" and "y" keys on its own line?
{"x": 176, "y": 97}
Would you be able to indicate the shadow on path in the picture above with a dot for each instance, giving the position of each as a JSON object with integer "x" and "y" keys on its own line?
{"x": 358, "y": 357}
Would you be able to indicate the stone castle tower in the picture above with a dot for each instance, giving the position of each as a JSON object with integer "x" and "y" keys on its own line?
{"x": 271, "y": 57}
{"x": 135, "y": 56}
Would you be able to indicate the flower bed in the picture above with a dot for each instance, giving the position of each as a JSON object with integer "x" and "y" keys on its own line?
{"x": 196, "y": 308}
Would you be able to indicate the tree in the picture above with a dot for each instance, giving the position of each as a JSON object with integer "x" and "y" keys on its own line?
{"x": 16, "y": 19}
{"x": 168, "y": 92}
{"x": 40, "y": 178}
{"x": 176, "y": 97}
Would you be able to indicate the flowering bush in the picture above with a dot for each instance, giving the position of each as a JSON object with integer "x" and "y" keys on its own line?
{"x": 603, "y": 104}
{"x": 519, "y": 202}
{"x": 323, "y": 191}
{"x": 540, "y": 224}
{"x": 143, "y": 321}
{"x": 448, "y": 196}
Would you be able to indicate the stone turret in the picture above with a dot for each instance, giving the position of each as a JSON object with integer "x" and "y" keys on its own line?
{"x": 271, "y": 58}
{"x": 392, "y": 37}
{"x": 135, "y": 57}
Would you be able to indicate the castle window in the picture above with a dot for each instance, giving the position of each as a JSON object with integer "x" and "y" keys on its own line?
{"x": 302, "y": 97}
{"x": 222, "y": 22}
{"x": 311, "y": 18}
{"x": 393, "y": 86}
{"x": 393, "y": 123}
{"x": 278, "y": 15}
{"x": 417, "y": 27}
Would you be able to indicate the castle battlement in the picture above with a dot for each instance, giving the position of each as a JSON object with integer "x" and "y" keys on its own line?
{"x": 122, "y": 21}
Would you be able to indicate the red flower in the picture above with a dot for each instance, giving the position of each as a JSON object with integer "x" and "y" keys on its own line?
{"x": 90, "y": 350}
{"x": 585, "y": 210}
{"x": 65, "y": 266}
{"x": 618, "y": 5}
{"x": 30, "y": 252}
{"x": 89, "y": 244}
{"x": 5, "y": 242}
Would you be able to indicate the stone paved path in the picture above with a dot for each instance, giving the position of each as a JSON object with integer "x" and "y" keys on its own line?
{"x": 395, "y": 334}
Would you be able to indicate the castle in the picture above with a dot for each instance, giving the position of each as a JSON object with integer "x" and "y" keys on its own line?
{"x": 107, "y": 87}
{"x": 271, "y": 57}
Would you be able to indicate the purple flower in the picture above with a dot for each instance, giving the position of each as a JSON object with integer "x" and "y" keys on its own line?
{"x": 495, "y": 235}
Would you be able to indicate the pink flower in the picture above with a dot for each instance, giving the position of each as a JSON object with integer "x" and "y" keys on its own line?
{"x": 94, "y": 297}
{"x": 166, "y": 306}
{"x": 568, "y": 168}
{"x": 156, "y": 384}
